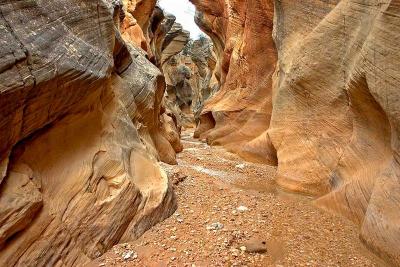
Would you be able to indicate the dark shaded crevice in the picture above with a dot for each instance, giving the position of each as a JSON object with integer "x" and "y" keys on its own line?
{"x": 206, "y": 122}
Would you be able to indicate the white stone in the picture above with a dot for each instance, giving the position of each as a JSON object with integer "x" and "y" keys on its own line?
{"x": 129, "y": 254}
{"x": 215, "y": 226}
{"x": 240, "y": 166}
{"x": 242, "y": 208}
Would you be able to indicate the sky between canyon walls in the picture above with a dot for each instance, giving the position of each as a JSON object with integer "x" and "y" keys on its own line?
{"x": 184, "y": 12}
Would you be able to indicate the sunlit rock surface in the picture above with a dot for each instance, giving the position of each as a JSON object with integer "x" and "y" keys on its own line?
{"x": 335, "y": 120}
{"x": 242, "y": 35}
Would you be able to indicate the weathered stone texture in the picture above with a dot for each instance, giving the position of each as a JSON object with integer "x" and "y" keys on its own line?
{"x": 335, "y": 120}
{"x": 242, "y": 36}
{"x": 75, "y": 176}
{"x": 328, "y": 116}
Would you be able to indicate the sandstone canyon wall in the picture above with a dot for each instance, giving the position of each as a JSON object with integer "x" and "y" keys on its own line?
{"x": 190, "y": 79}
{"x": 85, "y": 113}
{"x": 241, "y": 109}
{"x": 80, "y": 130}
{"x": 335, "y": 121}
{"x": 206, "y": 85}
{"x": 312, "y": 86}
{"x": 160, "y": 39}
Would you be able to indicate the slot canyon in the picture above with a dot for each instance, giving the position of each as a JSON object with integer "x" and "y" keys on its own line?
{"x": 271, "y": 139}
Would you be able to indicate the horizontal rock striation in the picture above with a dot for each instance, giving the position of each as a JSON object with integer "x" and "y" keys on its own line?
{"x": 76, "y": 177}
{"x": 328, "y": 115}
{"x": 157, "y": 126}
{"x": 336, "y": 111}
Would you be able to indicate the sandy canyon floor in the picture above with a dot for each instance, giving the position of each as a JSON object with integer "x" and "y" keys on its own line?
{"x": 227, "y": 208}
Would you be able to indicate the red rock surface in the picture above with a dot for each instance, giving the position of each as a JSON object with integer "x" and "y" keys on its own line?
{"x": 242, "y": 36}
{"x": 328, "y": 116}
{"x": 309, "y": 88}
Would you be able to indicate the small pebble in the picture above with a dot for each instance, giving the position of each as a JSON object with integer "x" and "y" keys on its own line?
{"x": 242, "y": 208}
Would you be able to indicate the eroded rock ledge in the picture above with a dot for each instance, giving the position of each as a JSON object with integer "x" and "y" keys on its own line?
{"x": 312, "y": 87}
{"x": 80, "y": 130}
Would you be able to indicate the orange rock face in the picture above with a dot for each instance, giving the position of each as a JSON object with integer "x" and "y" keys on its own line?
{"x": 242, "y": 36}
{"x": 159, "y": 38}
{"x": 328, "y": 116}
{"x": 135, "y": 24}
{"x": 336, "y": 111}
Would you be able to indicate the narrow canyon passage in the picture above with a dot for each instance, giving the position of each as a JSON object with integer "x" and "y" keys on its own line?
{"x": 224, "y": 204}
{"x": 199, "y": 133}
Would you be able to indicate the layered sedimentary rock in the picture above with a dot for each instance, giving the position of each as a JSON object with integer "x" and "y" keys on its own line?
{"x": 159, "y": 132}
{"x": 335, "y": 122}
{"x": 241, "y": 110}
{"x": 168, "y": 40}
{"x": 190, "y": 80}
{"x": 206, "y": 83}
{"x": 168, "y": 37}
{"x": 136, "y": 20}
{"x": 335, "y": 104}
{"x": 179, "y": 73}
{"x": 75, "y": 177}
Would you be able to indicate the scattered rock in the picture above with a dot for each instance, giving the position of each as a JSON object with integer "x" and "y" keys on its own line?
{"x": 240, "y": 166}
{"x": 242, "y": 209}
{"x": 255, "y": 245}
{"x": 130, "y": 254}
{"x": 264, "y": 220}
{"x": 178, "y": 178}
{"x": 234, "y": 252}
{"x": 215, "y": 226}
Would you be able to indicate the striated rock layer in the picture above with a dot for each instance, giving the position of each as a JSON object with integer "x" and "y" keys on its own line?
{"x": 156, "y": 126}
{"x": 336, "y": 113}
{"x": 168, "y": 40}
{"x": 190, "y": 80}
{"x": 206, "y": 82}
{"x": 242, "y": 35}
{"x": 329, "y": 116}
{"x": 75, "y": 175}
